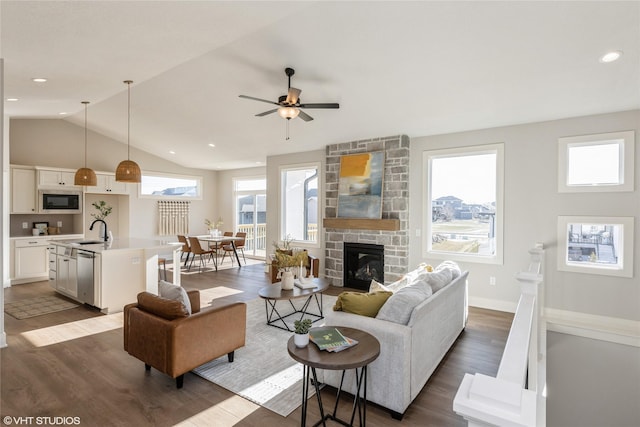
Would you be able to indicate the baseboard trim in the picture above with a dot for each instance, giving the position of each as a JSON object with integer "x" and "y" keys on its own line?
{"x": 493, "y": 304}
{"x": 603, "y": 328}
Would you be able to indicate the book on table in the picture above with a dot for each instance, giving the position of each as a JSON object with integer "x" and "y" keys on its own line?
{"x": 330, "y": 339}
{"x": 306, "y": 285}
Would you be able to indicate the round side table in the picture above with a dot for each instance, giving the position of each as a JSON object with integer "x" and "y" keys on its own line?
{"x": 357, "y": 357}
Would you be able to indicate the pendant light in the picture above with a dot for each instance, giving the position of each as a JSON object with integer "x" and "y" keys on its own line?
{"x": 128, "y": 170}
{"x": 85, "y": 175}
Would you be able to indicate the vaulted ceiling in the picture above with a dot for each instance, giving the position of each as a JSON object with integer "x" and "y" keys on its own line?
{"x": 417, "y": 68}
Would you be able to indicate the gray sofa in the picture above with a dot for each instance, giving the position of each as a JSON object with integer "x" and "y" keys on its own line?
{"x": 410, "y": 353}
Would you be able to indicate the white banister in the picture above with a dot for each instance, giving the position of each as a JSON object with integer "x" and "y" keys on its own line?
{"x": 514, "y": 397}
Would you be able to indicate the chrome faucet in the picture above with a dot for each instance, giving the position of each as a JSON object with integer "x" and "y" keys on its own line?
{"x": 106, "y": 238}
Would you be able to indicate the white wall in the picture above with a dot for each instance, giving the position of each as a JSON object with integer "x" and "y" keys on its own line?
{"x": 274, "y": 163}
{"x": 532, "y": 207}
{"x": 58, "y": 143}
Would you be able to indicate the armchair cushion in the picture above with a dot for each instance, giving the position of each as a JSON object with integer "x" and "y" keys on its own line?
{"x": 162, "y": 307}
{"x": 174, "y": 292}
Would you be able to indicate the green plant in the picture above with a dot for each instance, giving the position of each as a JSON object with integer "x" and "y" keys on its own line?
{"x": 103, "y": 209}
{"x": 302, "y": 326}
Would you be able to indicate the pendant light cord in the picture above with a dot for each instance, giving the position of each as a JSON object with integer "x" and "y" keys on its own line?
{"x": 85, "y": 132}
{"x": 128, "y": 82}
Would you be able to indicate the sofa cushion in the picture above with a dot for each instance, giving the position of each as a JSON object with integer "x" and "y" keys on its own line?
{"x": 364, "y": 304}
{"x": 376, "y": 286}
{"x": 451, "y": 265}
{"x": 399, "y": 307}
{"x": 162, "y": 307}
{"x": 439, "y": 279}
{"x": 174, "y": 292}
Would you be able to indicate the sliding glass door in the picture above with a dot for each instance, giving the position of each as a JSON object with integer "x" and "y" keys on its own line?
{"x": 251, "y": 214}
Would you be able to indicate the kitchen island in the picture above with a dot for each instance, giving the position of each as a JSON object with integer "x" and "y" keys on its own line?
{"x": 108, "y": 275}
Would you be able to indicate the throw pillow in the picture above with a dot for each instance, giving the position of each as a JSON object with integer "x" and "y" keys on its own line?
{"x": 364, "y": 304}
{"x": 451, "y": 265}
{"x": 174, "y": 292}
{"x": 439, "y": 279}
{"x": 162, "y": 307}
{"x": 399, "y": 307}
{"x": 377, "y": 286}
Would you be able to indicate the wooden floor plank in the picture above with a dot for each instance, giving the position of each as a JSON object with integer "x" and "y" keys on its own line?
{"x": 93, "y": 378}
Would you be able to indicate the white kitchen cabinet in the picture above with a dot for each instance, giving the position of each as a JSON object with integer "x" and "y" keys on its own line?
{"x": 56, "y": 178}
{"x": 66, "y": 277}
{"x": 31, "y": 259}
{"x": 23, "y": 191}
{"x": 107, "y": 184}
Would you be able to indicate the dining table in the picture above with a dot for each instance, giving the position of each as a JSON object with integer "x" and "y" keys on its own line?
{"x": 218, "y": 241}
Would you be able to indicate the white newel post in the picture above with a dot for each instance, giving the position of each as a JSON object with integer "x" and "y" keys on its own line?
{"x": 515, "y": 396}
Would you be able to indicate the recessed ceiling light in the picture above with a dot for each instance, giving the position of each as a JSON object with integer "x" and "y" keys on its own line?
{"x": 12, "y": 99}
{"x": 63, "y": 113}
{"x": 258, "y": 163}
{"x": 39, "y": 79}
{"x": 212, "y": 145}
{"x": 172, "y": 152}
{"x": 611, "y": 56}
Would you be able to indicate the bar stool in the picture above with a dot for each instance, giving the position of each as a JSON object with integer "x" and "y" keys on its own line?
{"x": 162, "y": 262}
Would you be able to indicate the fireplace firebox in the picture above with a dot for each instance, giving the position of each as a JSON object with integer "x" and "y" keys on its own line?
{"x": 362, "y": 263}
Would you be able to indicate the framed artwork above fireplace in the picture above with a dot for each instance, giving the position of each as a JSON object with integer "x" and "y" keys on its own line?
{"x": 360, "y": 185}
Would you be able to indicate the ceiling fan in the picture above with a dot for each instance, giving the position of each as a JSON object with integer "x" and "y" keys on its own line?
{"x": 289, "y": 106}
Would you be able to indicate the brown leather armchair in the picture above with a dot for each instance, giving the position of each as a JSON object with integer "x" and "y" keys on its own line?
{"x": 163, "y": 335}
{"x": 312, "y": 268}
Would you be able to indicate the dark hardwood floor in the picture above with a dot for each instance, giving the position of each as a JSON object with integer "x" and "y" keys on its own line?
{"x": 91, "y": 377}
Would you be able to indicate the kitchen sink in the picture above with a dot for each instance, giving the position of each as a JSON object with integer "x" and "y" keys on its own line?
{"x": 89, "y": 242}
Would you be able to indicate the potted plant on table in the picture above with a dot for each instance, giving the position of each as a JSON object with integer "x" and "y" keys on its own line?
{"x": 288, "y": 263}
{"x": 103, "y": 211}
{"x": 301, "y": 328}
{"x": 214, "y": 227}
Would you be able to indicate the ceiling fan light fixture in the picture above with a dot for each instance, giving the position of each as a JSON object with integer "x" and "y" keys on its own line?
{"x": 128, "y": 170}
{"x": 288, "y": 112}
{"x": 85, "y": 176}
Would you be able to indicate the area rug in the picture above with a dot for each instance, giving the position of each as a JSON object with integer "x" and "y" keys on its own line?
{"x": 208, "y": 266}
{"x": 33, "y": 307}
{"x": 262, "y": 370}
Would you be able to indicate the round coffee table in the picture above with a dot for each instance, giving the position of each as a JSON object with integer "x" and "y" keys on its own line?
{"x": 357, "y": 357}
{"x": 274, "y": 293}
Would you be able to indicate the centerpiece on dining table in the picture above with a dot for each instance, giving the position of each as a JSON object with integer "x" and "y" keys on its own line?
{"x": 290, "y": 262}
{"x": 214, "y": 227}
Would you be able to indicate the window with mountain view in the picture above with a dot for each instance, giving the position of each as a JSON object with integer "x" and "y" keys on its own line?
{"x": 463, "y": 215}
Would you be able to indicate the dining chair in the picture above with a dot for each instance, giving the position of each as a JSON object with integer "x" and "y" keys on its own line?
{"x": 196, "y": 249}
{"x": 185, "y": 248}
{"x": 239, "y": 246}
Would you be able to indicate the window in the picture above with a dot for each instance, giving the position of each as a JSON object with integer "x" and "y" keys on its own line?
{"x": 251, "y": 213}
{"x": 161, "y": 185}
{"x": 300, "y": 209}
{"x": 596, "y": 245}
{"x": 596, "y": 163}
{"x": 463, "y": 212}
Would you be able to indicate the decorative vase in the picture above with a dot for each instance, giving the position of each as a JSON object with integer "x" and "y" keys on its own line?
{"x": 286, "y": 280}
{"x": 301, "y": 340}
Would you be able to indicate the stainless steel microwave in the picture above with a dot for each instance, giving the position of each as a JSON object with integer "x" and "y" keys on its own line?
{"x": 59, "y": 202}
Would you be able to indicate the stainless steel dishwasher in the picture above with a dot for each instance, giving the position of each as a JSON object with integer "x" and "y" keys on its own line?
{"x": 85, "y": 276}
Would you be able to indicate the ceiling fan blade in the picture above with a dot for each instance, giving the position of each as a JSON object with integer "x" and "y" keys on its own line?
{"x": 323, "y": 105}
{"x": 304, "y": 116}
{"x": 293, "y": 95}
{"x": 258, "y": 99}
{"x": 267, "y": 112}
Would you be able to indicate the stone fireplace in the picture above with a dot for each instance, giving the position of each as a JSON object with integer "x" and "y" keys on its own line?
{"x": 390, "y": 232}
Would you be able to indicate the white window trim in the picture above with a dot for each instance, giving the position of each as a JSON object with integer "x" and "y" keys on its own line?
{"x": 237, "y": 193}
{"x": 627, "y": 246}
{"x": 626, "y": 162}
{"x": 199, "y": 179}
{"x": 497, "y": 258}
{"x": 299, "y": 166}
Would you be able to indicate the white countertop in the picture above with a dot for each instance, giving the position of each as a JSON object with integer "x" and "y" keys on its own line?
{"x": 119, "y": 244}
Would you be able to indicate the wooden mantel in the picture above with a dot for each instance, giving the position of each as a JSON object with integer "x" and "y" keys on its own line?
{"x": 362, "y": 224}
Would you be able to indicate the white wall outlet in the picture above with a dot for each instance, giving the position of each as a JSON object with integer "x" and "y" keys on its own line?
{"x": 25, "y": 225}
{"x": 418, "y": 232}
{"x": 135, "y": 260}
{"x": 59, "y": 224}
{"x": 492, "y": 280}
